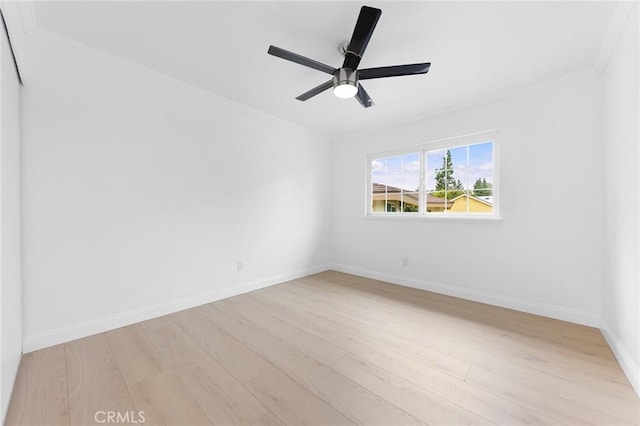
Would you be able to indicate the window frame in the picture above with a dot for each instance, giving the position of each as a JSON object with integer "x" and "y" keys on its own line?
{"x": 423, "y": 149}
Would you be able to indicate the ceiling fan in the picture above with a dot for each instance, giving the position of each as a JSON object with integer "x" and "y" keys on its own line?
{"x": 346, "y": 79}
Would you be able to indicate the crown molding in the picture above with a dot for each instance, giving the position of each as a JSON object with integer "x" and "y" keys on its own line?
{"x": 481, "y": 100}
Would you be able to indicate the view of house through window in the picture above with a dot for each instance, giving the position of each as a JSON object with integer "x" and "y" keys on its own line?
{"x": 396, "y": 183}
{"x": 454, "y": 179}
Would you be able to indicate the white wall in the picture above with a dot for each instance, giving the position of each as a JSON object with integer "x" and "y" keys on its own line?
{"x": 621, "y": 302}
{"x": 140, "y": 197}
{"x": 10, "y": 286}
{"x": 545, "y": 256}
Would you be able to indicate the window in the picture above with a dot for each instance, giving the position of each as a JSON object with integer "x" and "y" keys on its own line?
{"x": 453, "y": 177}
{"x": 396, "y": 183}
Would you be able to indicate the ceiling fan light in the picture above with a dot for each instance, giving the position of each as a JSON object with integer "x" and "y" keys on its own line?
{"x": 345, "y": 83}
{"x": 345, "y": 91}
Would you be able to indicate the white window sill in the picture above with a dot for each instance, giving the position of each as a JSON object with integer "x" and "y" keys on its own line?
{"x": 435, "y": 218}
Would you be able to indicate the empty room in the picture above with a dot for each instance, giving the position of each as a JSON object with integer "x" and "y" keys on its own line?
{"x": 320, "y": 213}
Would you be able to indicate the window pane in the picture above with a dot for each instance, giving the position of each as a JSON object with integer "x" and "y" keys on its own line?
{"x": 446, "y": 174}
{"x": 395, "y": 184}
{"x": 481, "y": 204}
{"x": 457, "y": 175}
{"x": 435, "y": 202}
{"x": 434, "y": 164}
{"x": 394, "y": 165}
{"x": 459, "y": 204}
{"x": 411, "y": 202}
{"x": 378, "y": 198}
{"x": 481, "y": 176}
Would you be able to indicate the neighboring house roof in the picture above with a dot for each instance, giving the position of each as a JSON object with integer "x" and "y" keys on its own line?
{"x": 394, "y": 193}
{"x": 431, "y": 200}
{"x": 379, "y": 189}
{"x": 472, "y": 197}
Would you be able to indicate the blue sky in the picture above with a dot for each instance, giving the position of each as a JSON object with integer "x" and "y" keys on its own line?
{"x": 470, "y": 162}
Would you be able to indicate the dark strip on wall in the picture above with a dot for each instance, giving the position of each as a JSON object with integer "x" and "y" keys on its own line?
{"x": 13, "y": 54}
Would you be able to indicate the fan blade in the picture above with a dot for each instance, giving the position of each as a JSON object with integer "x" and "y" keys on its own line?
{"x": 363, "y": 97}
{"x": 298, "y": 59}
{"x": 365, "y": 25}
{"x": 393, "y": 71}
{"x": 316, "y": 90}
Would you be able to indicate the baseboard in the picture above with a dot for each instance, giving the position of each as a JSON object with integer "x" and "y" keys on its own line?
{"x": 65, "y": 334}
{"x": 551, "y": 311}
{"x": 630, "y": 367}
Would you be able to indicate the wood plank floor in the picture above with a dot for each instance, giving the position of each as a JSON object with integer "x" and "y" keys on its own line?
{"x": 330, "y": 349}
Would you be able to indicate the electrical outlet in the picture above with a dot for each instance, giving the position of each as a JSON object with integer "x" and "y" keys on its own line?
{"x": 405, "y": 261}
{"x": 240, "y": 266}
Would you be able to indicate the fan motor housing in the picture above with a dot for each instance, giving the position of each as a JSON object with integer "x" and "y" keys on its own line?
{"x": 345, "y": 76}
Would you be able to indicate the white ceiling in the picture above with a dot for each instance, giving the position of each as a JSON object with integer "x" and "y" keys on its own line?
{"x": 477, "y": 49}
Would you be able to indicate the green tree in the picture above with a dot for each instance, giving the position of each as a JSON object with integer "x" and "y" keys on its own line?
{"x": 446, "y": 184}
{"x": 482, "y": 188}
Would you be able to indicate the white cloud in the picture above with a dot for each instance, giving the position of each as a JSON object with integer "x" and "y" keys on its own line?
{"x": 377, "y": 166}
{"x": 413, "y": 166}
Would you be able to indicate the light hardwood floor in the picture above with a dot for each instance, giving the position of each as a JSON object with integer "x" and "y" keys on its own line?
{"x": 331, "y": 349}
